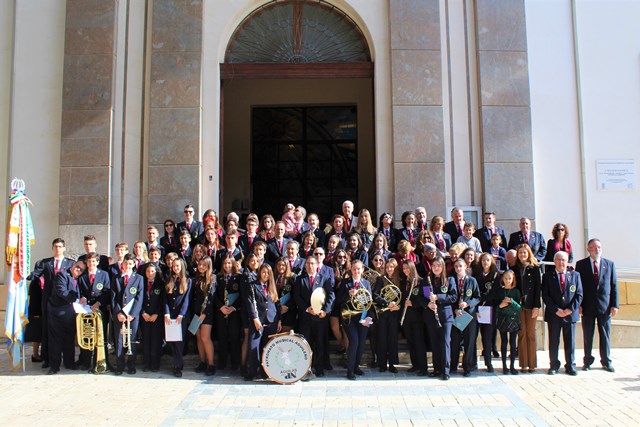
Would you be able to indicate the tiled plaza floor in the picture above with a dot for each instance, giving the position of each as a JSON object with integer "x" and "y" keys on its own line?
{"x": 74, "y": 398}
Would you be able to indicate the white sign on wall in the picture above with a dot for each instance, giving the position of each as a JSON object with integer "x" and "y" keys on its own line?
{"x": 616, "y": 174}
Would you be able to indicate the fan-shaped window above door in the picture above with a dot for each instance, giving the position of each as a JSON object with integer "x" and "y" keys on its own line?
{"x": 297, "y": 31}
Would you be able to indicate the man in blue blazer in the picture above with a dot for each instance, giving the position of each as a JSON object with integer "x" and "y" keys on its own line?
{"x": 192, "y": 225}
{"x": 314, "y": 325}
{"x": 534, "y": 239}
{"x": 562, "y": 296}
{"x": 600, "y": 302}
{"x": 490, "y": 228}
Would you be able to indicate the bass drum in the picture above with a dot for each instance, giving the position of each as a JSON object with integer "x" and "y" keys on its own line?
{"x": 286, "y": 358}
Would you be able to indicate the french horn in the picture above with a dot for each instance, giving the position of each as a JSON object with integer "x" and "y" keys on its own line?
{"x": 360, "y": 301}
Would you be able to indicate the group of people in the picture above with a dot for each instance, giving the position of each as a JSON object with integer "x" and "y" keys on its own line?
{"x": 449, "y": 282}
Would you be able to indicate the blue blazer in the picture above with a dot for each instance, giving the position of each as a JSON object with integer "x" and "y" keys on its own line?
{"x": 470, "y": 293}
{"x": 99, "y": 291}
{"x": 484, "y": 235}
{"x": 536, "y": 243}
{"x": 121, "y": 295}
{"x": 65, "y": 291}
{"x": 45, "y": 268}
{"x": 599, "y": 297}
{"x": 267, "y": 312}
{"x": 177, "y": 304}
{"x": 447, "y": 296}
{"x": 554, "y": 299}
{"x": 153, "y": 301}
{"x": 302, "y": 291}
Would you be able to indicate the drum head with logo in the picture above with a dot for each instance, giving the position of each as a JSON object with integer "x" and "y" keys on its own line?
{"x": 286, "y": 358}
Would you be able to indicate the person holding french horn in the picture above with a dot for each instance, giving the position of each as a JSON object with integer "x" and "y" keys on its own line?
{"x": 357, "y": 301}
{"x": 262, "y": 306}
{"x": 411, "y": 320}
{"x": 388, "y": 298}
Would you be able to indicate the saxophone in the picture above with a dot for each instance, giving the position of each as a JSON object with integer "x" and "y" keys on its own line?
{"x": 90, "y": 334}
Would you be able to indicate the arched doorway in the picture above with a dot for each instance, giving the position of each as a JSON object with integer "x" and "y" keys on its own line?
{"x": 297, "y": 111}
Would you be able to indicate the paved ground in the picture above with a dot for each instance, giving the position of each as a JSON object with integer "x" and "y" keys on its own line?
{"x": 73, "y": 398}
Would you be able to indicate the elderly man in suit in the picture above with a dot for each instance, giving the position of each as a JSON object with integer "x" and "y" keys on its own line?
{"x": 600, "y": 302}
{"x": 562, "y": 296}
{"x": 534, "y": 239}
{"x": 455, "y": 227}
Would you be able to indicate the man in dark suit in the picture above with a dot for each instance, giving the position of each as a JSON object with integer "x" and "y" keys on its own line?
{"x": 314, "y": 227}
{"x": 46, "y": 270}
{"x": 193, "y": 226}
{"x": 314, "y": 324}
{"x": 296, "y": 263}
{"x": 154, "y": 240}
{"x": 600, "y": 302}
{"x": 534, "y": 239}
{"x": 490, "y": 228}
{"x": 455, "y": 227}
{"x": 90, "y": 245}
{"x": 562, "y": 296}
{"x": 277, "y": 245}
{"x": 422, "y": 221}
{"x": 62, "y": 317}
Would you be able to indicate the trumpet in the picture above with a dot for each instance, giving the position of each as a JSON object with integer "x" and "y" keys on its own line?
{"x": 126, "y": 336}
{"x": 360, "y": 301}
{"x": 91, "y": 337}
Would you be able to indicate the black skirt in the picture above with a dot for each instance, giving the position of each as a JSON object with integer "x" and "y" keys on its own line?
{"x": 508, "y": 324}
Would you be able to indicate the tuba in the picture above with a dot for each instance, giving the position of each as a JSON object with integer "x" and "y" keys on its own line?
{"x": 359, "y": 302}
{"x": 90, "y": 337}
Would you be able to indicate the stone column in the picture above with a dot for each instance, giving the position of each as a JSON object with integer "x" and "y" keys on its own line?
{"x": 174, "y": 121}
{"x": 87, "y": 102}
{"x": 505, "y": 110}
{"x": 416, "y": 84}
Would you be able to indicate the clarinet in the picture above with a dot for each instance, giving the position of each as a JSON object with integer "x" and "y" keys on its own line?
{"x": 435, "y": 312}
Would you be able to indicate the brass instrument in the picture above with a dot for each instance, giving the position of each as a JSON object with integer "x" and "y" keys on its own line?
{"x": 126, "y": 336}
{"x": 391, "y": 293}
{"x": 90, "y": 337}
{"x": 404, "y": 310}
{"x": 359, "y": 302}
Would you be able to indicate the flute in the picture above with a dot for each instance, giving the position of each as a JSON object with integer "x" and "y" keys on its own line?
{"x": 404, "y": 310}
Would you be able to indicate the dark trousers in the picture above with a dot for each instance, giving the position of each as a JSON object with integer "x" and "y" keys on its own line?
{"x": 414, "y": 332}
{"x": 177, "y": 347}
{"x": 508, "y": 338}
{"x": 357, "y": 334}
{"x": 62, "y": 332}
{"x": 568, "y": 330}
{"x": 44, "y": 345}
{"x": 228, "y": 331}
{"x": 120, "y": 350}
{"x": 440, "y": 344}
{"x": 152, "y": 336}
{"x": 465, "y": 341}
{"x": 387, "y": 340}
{"x": 604, "y": 332}
{"x": 257, "y": 341}
{"x": 316, "y": 334}
{"x": 488, "y": 332}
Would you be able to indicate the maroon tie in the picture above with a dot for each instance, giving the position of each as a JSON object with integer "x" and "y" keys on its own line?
{"x": 189, "y": 226}
{"x": 250, "y": 241}
{"x": 461, "y": 285}
{"x": 562, "y": 282}
{"x": 312, "y": 279}
{"x": 526, "y": 238}
{"x": 291, "y": 264}
{"x": 440, "y": 242}
{"x": 595, "y": 271}
{"x": 280, "y": 245}
{"x": 149, "y": 286}
{"x": 356, "y": 285}
{"x": 386, "y": 234}
{"x": 460, "y": 231}
{"x": 56, "y": 266}
{"x": 92, "y": 278}
{"x": 126, "y": 279}
{"x": 264, "y": 289}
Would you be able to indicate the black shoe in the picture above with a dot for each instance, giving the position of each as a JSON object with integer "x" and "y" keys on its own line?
{"x": 358, "y": 371}
{"x": 35, "y": 359}
{"x": 131, "y": 371}
{"x": 495, "y": 354}
{"x": 52, "y": 371}
{"x": 412, "y": 369}
{"x": 177, "y": 372}
{"x": 211, "y": 371}
{"x": 434, "y": 374}
{"x": 320, "y": 374}
{"x": 340, "y": 352}
{"x": 145, "y": 369}
{"x": 382, "y": 369}
{"x": 586, "y": 367}
{"x": 552, "y": 371}
{"x": 248, "y": 377}
{"x": 45, "y": 365}
{"x": 351, "y": 376}
{"x": 609, "y": 368}
{"x": 514, "y": 371}
{"x": 422, "y": 373}
{"x": 489, "y": 368}
{"x": 72, "y": 367}
{"x": 83, "y": 367}
{"x": 445, "y": 377}
{"x": 393, "y": 369}
{"x": 154, "y": 369}
{"x": 117, "y": 372}
{"x": 572, "y": 372}
{"x": 373, "y": 364}
{"x": 328, "y": 367}
{"x": 466, "y": 374}
{"x": 201, "y": 367}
